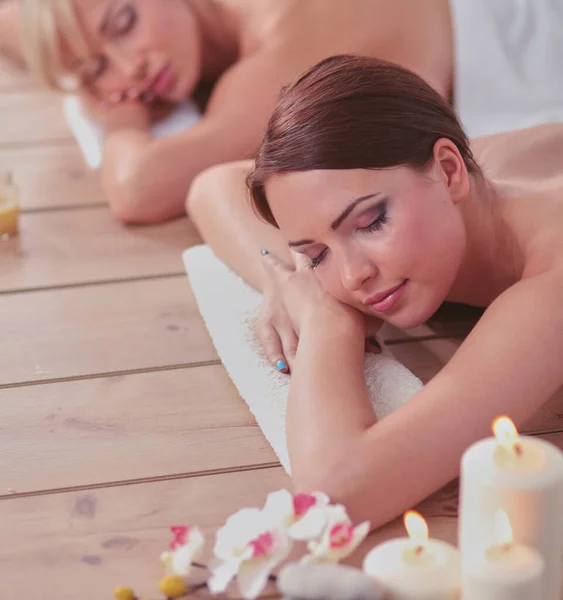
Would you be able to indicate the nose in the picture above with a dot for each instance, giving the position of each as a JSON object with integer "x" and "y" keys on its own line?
{"x": 356, "y": 270}
{"x": 133, "y": 68}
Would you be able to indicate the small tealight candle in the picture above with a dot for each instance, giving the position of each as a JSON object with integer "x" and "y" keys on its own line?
{"x": 416, "y": 568}
{"x": 504, "y": 571}
{"x": 524, "y": 477}
{"x": 9, "y": 207}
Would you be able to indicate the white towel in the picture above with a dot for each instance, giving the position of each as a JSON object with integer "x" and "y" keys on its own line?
{"x": 89, "y": 135}
{"x": 229, "y": 307}
{"x": 508, "y": 63}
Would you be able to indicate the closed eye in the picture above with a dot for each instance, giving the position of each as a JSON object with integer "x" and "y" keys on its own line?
{"x": 124, "y": 20}
{"x": 317, "y": 260}
{"x": 378, "y": 223}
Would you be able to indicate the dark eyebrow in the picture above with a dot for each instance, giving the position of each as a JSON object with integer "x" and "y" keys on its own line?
{"x": 300, "y": 243}
{"x": 105, "y": 21}
{"x": 337, "y": 222}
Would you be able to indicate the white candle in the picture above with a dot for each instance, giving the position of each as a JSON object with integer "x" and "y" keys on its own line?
{"x": 416, "y": 568}
{"x": 504, "y": 571}
{"x": 524, "y": 477}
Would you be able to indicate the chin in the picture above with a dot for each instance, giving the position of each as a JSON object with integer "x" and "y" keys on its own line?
{"x": 414, "y": 316}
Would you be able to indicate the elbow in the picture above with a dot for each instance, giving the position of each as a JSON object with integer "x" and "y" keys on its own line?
{"x": 122, "y": 191}
{"x": 135, "y": 189}
{"x": 347, "y": 478}
{"x": 133, "y": 203}
{"x": 336, "y": 479}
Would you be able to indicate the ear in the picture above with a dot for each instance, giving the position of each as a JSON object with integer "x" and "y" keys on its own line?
{"x": 451, "y": 168}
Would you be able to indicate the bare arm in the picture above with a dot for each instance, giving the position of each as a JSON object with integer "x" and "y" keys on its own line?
{"x": 510, "y": 364}
{"x": 147, "y": 179}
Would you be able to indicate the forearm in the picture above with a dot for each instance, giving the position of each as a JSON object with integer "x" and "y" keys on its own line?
{"x": 146, "y": 179}
{"x": 328, "y": 405}
{"x": 377, "y": 470}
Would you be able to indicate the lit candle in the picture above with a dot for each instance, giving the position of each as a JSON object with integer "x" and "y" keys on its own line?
{"x": 9, "y": 207}
{"x": 524, "y": 477}
{"x": 503, "y": 571}
{"x": 416, "y": 568}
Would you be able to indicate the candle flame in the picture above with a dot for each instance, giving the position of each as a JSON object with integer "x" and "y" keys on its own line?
{"x": 506, "y": 433}
{"x": 416, "y": 526}
{"x": 503, "y": 529}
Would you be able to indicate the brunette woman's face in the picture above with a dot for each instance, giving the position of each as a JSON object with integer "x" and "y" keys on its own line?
{"x": 387, "y": 242}
{"x": 152, "y": 46}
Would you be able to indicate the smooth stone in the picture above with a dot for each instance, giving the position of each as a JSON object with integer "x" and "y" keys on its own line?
{"x": 327, "y": 582}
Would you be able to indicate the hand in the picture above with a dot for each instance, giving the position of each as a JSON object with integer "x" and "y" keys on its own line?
{"x": 123, "y": 112}
{"x": 291, "y": 297}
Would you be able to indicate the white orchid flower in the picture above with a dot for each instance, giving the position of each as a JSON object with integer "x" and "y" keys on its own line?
{"x": 186, "y": 547}
{"x": 250, "y": 545}
{"x": 304, "y": 515}
{"x": 339, "y": 540}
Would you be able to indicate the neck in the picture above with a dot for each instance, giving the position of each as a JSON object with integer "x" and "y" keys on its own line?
{"x": 493, "y": 260}
{"x": 219, "y": 26}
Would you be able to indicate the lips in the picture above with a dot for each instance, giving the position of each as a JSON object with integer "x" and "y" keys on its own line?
{"x": 162, "y": 82}
{"x": 385, "y": 300}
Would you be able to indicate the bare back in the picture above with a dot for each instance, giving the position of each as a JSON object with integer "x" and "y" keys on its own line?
{"x": 527, "y": 166}
{"x": 417, "y": 35}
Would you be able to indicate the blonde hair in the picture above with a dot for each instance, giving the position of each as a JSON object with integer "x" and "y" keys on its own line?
{"x": 49, "y": 28}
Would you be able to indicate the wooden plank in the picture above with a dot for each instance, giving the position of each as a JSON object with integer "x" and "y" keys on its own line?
{"x": 89, "y": 541}
{"x": 101, "y": 329}
{"x": 124, "y": 428}
{"x": 32, "y": 116}
{"x": 73, "y": 247}
{"x": 51, "y": 176}
{"x": 85, "y": 543}
{"x": 426, "y": 358}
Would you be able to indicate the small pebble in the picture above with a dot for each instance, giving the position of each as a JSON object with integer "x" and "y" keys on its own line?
{"x": 327, "y": 582}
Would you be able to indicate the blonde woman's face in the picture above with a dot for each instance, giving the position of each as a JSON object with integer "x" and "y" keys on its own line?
{"x": 151, "y": 46}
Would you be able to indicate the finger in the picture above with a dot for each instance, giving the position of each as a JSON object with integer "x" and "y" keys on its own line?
{"x": 301, "y": 261}
{"x": 116, "y": 97}
{"x": 133, "y": 93}
{"x": 273, "y": 349}
{"x": 289, "y": 341}
{"x": 372, "y": 345}
{"x": 274, "y": 263}
{"x": 147, "y": 97}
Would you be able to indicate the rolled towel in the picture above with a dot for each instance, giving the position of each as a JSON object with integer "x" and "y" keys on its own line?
{"x": 229, "y": 308}
{"x": 89, "y": 135}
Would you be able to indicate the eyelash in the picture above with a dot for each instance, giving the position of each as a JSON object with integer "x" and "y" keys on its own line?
{"x": 376, "y": 225}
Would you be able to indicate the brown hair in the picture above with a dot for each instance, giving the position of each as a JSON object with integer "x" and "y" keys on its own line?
{"x": 351, "y": 112}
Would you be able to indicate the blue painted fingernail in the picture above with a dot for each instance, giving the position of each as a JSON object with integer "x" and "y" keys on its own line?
{"x": 264, "y": 252}
{"x": 281, "y": 366}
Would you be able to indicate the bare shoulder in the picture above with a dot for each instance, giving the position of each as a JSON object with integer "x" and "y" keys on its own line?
{"x": 534, "y": 153}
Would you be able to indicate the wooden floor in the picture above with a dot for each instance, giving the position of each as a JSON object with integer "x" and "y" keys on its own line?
{"x": 116, "y": 416}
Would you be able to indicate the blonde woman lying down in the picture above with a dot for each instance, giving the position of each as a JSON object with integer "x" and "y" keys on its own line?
{"x": 132, "y": 54}
{"x": 374, "y": 206}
